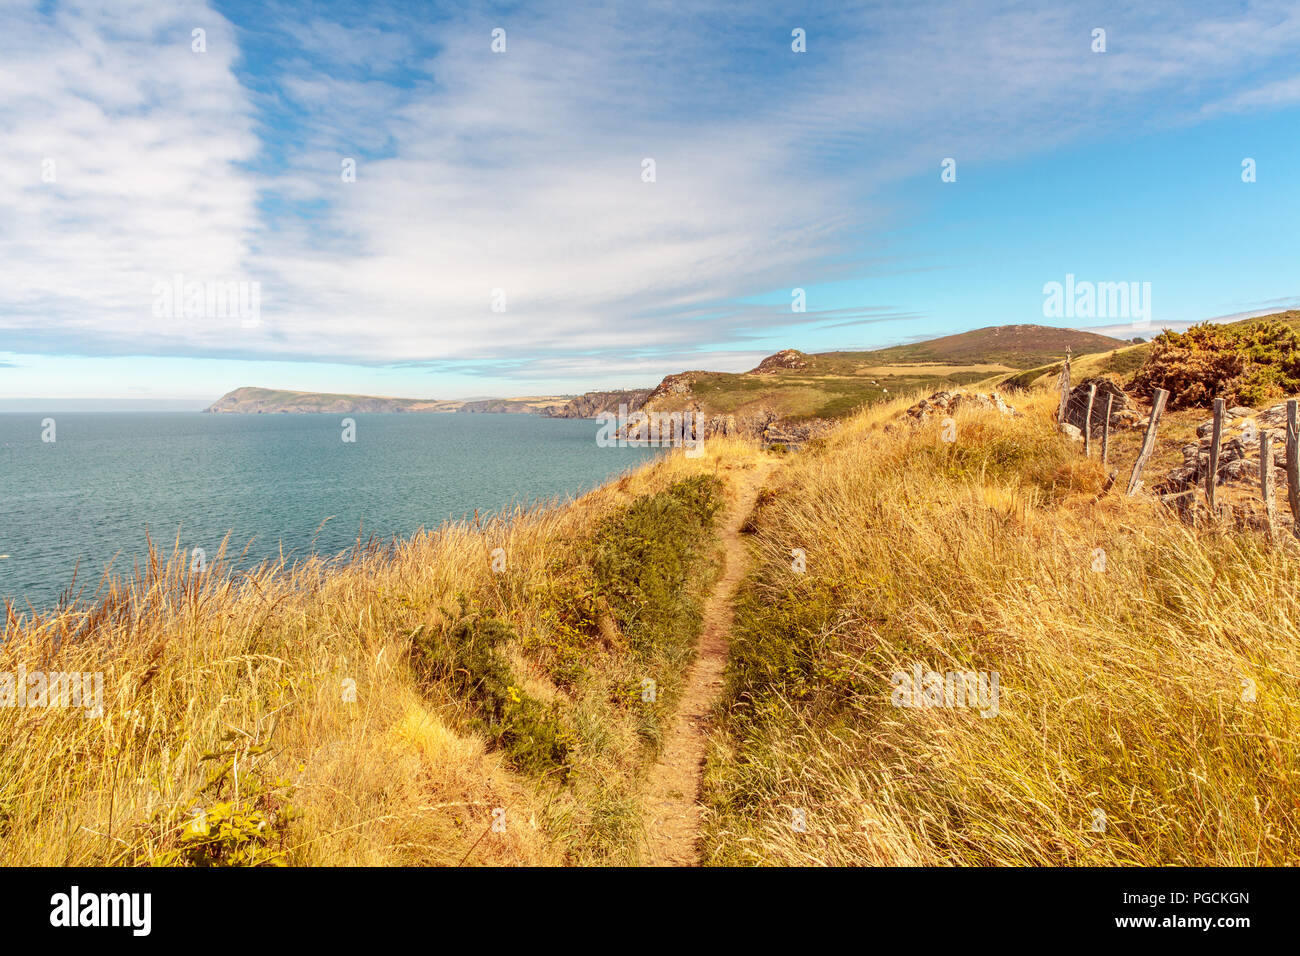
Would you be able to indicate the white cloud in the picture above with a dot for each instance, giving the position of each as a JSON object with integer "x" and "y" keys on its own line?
{"x": 522, "y": 171}
{"x": 141, "y": 135}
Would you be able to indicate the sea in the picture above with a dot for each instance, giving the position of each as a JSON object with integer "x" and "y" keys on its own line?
{"x": 81, "y": 491}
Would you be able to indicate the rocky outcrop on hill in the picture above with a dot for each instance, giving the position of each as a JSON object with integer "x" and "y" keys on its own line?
{"x": 593, "y": 403}
{"x": 783, "y": 361}
{"x": 764, "y": 425}
{"x": 795, "y": 433}
{"x": 673, "y": 386}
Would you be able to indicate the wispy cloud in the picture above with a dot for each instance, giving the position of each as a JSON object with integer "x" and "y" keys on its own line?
{"x": 522, "y": 171}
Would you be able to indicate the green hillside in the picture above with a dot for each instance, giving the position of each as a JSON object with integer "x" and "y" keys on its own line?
{"x": 1122, "y": 362}
{"x": 796, "y": 385}
{"x": 1016, "y": 346}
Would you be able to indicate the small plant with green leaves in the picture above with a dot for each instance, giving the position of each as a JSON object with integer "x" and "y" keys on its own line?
{"x": 246, "y": 828}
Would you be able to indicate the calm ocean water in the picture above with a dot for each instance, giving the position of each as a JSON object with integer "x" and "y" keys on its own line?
{"x": 272, "y": 479}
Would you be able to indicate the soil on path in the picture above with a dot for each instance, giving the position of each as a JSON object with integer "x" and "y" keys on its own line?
{"x": 673, "y": 787}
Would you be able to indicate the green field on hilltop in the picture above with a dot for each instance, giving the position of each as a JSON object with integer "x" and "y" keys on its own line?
{"x": 834, "y": 384}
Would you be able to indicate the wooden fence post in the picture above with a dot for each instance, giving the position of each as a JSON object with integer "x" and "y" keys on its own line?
{"x": 1087, "y": 422}
{"x": 1216, "y": 439}
{"x": 1266, "y": 477}
{"x": 1149, "y": 440}
{"x": 1065, "y": 388}
{"x": 1105, "y": 429}
{"x": 1293, "y": 463}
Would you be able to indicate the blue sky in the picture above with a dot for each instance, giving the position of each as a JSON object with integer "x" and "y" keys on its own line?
{"x": 517, "y": 177}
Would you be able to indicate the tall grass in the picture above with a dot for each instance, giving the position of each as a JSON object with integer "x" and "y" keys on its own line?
{"x": 306, "y": 714}
{"x": 1148, "y": 707}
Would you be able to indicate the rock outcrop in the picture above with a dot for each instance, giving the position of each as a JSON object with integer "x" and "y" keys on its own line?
{"x": 1238, "y": 449}
{"x": 947, "y": 402}
{"x": 673, "y": 386}
{"x": 763, "y": 425}
{"x": 787, "y": 360}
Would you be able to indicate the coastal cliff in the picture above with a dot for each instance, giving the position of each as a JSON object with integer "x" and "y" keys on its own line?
{"x": 593, "y": 403}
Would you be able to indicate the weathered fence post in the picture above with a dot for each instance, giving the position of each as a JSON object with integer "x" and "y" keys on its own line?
{"x": 1266, "y": 477}
{"x": 1216, "y": 439}
{"x": 1149, "y": 440}
{"x": 1105, "y": 429}
{"x": 1293, "y": 463}
{"x": 1087, "y": 422}
{"x": 1065, "y": 388}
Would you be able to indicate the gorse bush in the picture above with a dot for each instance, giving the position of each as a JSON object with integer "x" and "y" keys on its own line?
{"x": 469, "y": 656}
{"x": 1246, "y": 365}
{"x": 642, "y": 559}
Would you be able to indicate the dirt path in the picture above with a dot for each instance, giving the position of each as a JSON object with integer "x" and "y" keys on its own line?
{"x": 673, "y": 787}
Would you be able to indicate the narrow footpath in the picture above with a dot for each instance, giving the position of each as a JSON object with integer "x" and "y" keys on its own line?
{"x": 673, "y": 786}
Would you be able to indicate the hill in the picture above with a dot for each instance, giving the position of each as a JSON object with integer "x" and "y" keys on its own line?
{"x": 1015, "y": 346}
{"x": 1124, "y": 361}
{"x": 787, "y": 396}
{"x": 790, "y": 391}
{"x": 263, "y": 401}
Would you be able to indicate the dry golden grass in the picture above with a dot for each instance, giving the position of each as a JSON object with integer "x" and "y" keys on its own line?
{"x": 1160, "y": 691}
{"x": 250, "y": 667}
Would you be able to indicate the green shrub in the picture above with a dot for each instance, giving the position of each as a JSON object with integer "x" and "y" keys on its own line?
{"x": 643, "y": 559}
{"x": 775, "y": 648}
{"x": 636, "y": 570}
{"x": 468, "y": 656}
{"x": 1246, "y": 365}
{"x": 227, "y": 834}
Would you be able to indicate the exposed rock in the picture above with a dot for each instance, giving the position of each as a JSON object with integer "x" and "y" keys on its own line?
{"x": 785, "y": 360}
{"x": 1238, "y": 449}
{"x": 1237, "y": 417}
{"x": 795, "y": 433}
{"x": 593, "y": 403}
{"x": 1071, "y": 432}
{"x": 673, "y": 386}
{"x": 763, "y": 425}
{"x": 945, "y": 403}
